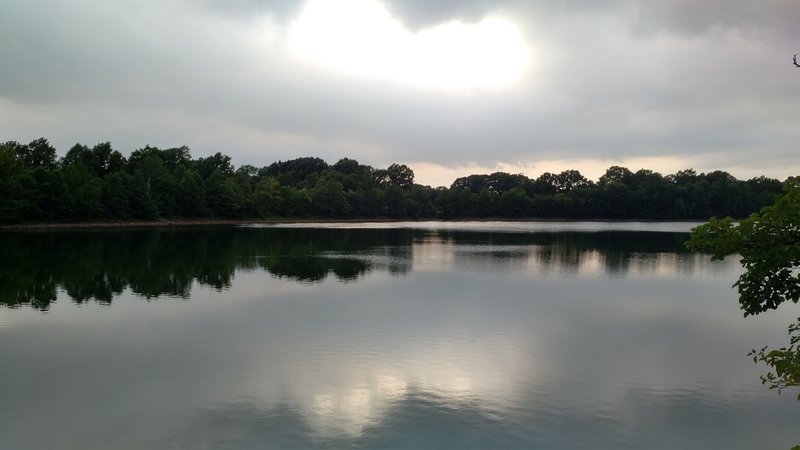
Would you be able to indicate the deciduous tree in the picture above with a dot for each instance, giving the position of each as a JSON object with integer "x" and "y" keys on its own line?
{"x": 769, "y": 246}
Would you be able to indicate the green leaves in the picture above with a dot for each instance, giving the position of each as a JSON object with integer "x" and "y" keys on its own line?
{"x": 785, "y": 362}
{"x": 769, "y": 246}
{"x": 718, "y": 237}
{"x": 99, "y": 183}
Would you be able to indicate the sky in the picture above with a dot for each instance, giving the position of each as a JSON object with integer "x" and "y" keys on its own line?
{"x": 449, "y": 88}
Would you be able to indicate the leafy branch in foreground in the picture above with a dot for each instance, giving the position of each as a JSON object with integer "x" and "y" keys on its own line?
{"x": 769, "y": 246}
{"x": 785, "y": 361}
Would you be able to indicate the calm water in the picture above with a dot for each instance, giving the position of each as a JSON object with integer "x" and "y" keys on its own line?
{"x": 437, "y": 335}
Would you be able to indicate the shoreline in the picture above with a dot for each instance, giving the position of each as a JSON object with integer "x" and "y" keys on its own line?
{"x": 210, "y": 222}
{"x": 140, "y": 223}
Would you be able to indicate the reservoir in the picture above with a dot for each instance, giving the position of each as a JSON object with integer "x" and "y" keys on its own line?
{"x": 412, "y": 335}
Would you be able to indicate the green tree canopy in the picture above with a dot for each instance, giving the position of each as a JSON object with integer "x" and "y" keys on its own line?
{"x": 769, "y": 246}
{"x": 99, "y": 183}
{"x": 400, "y": 175}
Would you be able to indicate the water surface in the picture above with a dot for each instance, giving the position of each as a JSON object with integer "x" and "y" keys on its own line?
{"x": 432, "y": 335}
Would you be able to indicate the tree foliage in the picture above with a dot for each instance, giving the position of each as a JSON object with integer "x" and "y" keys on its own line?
{"x": 785, "y": 361}
{"x": 99, "y": 183}
{"x": 769, "y": 246}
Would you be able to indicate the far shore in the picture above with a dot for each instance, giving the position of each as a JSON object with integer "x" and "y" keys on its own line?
{"x": 161, "y": 223}
{"x": 271, "y": 221}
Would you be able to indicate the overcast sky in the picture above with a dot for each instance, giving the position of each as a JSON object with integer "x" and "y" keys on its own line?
{"x": 447, "y": 87}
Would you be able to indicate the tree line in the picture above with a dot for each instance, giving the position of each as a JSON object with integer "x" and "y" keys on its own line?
{"x": 100, "y": 184}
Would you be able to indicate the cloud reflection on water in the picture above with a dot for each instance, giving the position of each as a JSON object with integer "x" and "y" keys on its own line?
{"x": 443, "y": 339}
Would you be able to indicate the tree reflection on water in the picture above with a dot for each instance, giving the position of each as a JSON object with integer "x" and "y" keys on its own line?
{"x": 97, "y": 265}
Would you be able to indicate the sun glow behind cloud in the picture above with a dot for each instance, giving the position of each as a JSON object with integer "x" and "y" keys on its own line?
{"x": 360, "y": 37}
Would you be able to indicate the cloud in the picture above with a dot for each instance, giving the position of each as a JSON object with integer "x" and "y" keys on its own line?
{"x": 689, "y": 18}
{"x": 607, "y": 81}
{"x": 361, "y": 38}
{"x": 281, "y": 10}
{"x": 421, "y": 14}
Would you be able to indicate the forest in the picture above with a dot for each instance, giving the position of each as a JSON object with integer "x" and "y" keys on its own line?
{"x": 100, "y": 184}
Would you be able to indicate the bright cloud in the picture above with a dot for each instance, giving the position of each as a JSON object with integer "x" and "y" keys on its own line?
{"x": 528, "y": 87}
{"x": 360, "y": 37}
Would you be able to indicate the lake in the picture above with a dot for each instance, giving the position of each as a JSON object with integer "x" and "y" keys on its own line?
{"x": 470, "y": 335}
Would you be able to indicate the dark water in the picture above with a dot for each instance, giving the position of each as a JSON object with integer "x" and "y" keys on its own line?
{"x": 504, "y": 335}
